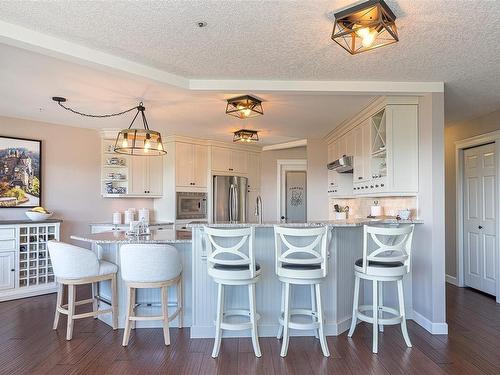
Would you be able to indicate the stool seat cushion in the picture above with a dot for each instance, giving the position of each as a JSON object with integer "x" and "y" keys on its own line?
{"x": 372, "y": 263}
{"x": 229, "y": 267}
{"x": 105, "y": 268}
{"x": 292, "y": 266}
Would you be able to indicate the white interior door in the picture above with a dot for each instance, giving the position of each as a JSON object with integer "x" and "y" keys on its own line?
{"x": 285, "y": 166}
{"x": 480, "y": 204}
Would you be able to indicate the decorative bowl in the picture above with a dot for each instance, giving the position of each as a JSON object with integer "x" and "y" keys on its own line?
{"x": 38, "y": 216}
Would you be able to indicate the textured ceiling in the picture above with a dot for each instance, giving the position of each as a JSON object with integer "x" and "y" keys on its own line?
{"x": 455, "y": 41}
{"x": 28, "y": 80}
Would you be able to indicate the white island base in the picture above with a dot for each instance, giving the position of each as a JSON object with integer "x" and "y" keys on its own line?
{"x": 337, "y": 289}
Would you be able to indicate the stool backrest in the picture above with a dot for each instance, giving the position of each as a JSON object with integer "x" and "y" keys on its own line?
{"x": 230, "y": 247}
{"x": 149, "y": 263}
{"x": 289, "y": 251}
{"x": 72, "y": 262}
{"x": 391, "y": 244}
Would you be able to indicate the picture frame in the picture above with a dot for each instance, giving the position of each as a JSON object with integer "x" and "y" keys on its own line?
{"x": 20, "y": 172}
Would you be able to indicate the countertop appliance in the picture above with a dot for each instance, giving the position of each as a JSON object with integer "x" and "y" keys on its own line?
{"x": 341, "y": 165}
{"x": 191, "y": 205}
{"x": 230, "y": 199}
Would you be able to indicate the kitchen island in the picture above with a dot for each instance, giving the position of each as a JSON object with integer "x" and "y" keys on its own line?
{"x": 107, "y": 246}
{"x": 200, "y": 296}
{"x": 345, "y": 247}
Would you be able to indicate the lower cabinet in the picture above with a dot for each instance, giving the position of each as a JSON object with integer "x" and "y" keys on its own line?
{"x": 25, "y": 266}
{"x": 7, "y": 270}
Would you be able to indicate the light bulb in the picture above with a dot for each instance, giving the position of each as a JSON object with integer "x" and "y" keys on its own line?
{"x": 147, "y": 145}
{"x": 367, "y": 36}
{"x": 125, "y": 143}
{"x": 160, "y": 146}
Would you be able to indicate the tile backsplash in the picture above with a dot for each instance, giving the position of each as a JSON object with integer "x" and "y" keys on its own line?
{"x": 360, "y": 207}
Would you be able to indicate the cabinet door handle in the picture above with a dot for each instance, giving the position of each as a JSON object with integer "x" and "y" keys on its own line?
{"x": 13, "y": 270}
{"x": 480, "y": 227}
{"x": 360, "y": 177}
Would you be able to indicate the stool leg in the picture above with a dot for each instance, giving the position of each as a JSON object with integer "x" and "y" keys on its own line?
{"x": 375, "y": 316}
{"x": 218, "y": 321}
{"x": 114, "y": 302}
{"x": 380, "y": 304}
{"x": 180, "y": 303}
{"x": 355, "y": 304}
{"x": 282, "y": 310}
{"x": 313, "y": 309}
{"x": 71, "y": 311}
{"x": 94, "y": 302}
{"x": 60, "y": 288}
{"x": 164, "y": 308}
{"x": 322, "y": 337}
{"x": 126, "y": 331}
{"x": 403, "y": 314}
{"x": 133, "y": 296}
{"x": 253, "y": 320}
{"x": 286, "y": 322}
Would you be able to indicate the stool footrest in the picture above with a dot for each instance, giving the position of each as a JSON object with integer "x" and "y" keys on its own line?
{"x": 304, "y": 325}
{"x": 395, "y": 319}
{"x": 237, "y": 326}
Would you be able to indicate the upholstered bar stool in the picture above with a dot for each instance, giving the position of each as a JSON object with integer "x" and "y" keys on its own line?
{"x": 386, "y": 258}
{"x": 151, "y": 266}
{"x": 73, "y": 266}
{"x": 299, "y": 264}
{"x": 231, "y": 261}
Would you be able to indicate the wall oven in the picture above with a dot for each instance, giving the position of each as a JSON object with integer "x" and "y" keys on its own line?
{"x": 191, "y": 205}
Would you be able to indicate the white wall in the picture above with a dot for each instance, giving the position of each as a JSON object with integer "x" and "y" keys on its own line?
{"x": 453, "y": 133}
{"x": 70, "y": 175}
{"x": 428, "y": 268}
{"x": 268, "y": 182}
{"x": 317, "y": 180}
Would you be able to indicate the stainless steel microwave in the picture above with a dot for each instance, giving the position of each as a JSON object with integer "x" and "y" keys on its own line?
{"x": 191, "y": 205}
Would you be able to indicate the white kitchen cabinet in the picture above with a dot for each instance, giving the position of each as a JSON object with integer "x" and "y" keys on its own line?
{"x": 7, "y": 270}
{"x": 25, "y": 265}
{"x": 146, "y": 176}
{"x": 191, "y": 165}
{"x": 253, "y": 171}
{"x": 339, "y": 184}
{"x": 361, "y": 168}
{"x": 229, "y": 160}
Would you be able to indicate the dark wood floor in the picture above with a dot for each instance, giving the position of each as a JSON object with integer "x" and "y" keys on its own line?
{"x": 29, "y": 346}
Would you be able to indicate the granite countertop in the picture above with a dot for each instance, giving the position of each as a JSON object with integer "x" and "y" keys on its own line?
{"x": 165, "y": 236}
{"x": 151, "y": 223}
{"x": 329, "y": 223}
{"x": 28, "y": 221}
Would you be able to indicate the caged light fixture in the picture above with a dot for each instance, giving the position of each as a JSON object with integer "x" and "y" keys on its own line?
{"x": 246, "y": 136}
{"x": 245, "y": 106}
{"x": 365, "y": 26}
{"x": 135, "y": 142}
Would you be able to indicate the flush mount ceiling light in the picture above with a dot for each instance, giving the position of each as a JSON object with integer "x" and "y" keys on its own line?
{"x": 245, "y": 136}
{"x": 365, "y": 26}
{"x": 243, "y": 107}
{"x": 135, "y": 142}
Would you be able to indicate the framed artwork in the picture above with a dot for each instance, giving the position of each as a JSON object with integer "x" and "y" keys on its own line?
{"x": 20, "y": 172}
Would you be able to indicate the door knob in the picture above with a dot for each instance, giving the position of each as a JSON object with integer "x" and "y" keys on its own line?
{"x": 480, "y": 227}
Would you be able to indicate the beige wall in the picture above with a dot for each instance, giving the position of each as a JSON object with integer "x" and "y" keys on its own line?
{"x": 456, "y": 132}
{"x": 269, "y": 179}
{"x": 317, "y": 180}
{"x": 70, "y": 175}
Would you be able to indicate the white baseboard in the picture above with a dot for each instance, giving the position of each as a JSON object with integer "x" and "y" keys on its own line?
{"x": 451, "y": 280}
{"x": 434, "y": 328}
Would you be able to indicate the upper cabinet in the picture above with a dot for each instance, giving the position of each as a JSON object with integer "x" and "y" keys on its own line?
{"x": 253, "y": 171}
{"x": 191, "y": 165}
{"x": 229, "y": 160}
{"x": 130, "y": 176}
{"x": 384, "y": 146}
{"x": 145, "y": 176}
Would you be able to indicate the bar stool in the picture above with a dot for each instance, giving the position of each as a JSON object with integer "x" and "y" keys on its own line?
{"x": 389, "y": 261}
{"x": 298, "y": 264}
{"x": 151, "y": 266}
{"x": 228, "y": 264}
{"x": 73, "y": 266}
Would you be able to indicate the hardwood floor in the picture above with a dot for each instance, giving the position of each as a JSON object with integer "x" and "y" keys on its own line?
{"x": 28, "y": 345}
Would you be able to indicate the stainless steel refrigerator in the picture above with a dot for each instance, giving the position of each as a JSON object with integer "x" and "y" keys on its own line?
{"x": 230, "y": 199}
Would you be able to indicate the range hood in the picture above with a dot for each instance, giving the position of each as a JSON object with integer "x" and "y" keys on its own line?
{"x": 342, "y": 165}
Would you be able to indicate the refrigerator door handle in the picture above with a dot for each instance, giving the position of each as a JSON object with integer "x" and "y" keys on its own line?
{"x": 231, "y": 200}
{"x": 236, "y": 204}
